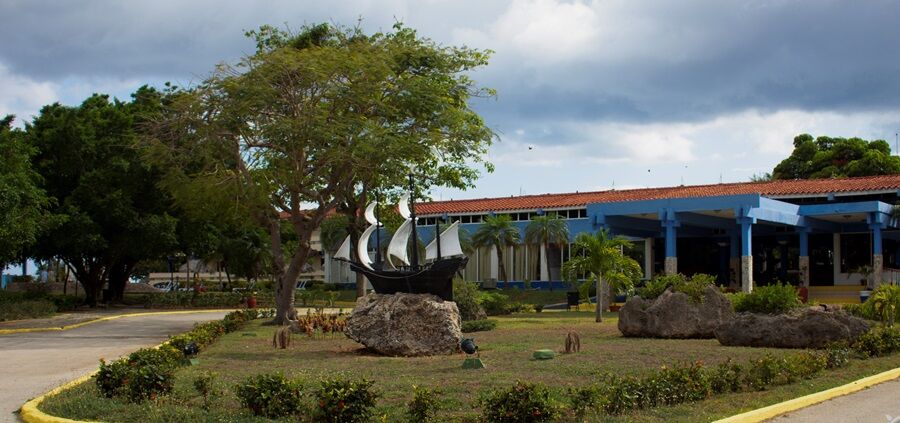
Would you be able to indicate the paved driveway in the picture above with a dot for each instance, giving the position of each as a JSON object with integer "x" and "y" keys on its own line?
{"x": 33, "y": 363}
{"x": 874, "y": 405}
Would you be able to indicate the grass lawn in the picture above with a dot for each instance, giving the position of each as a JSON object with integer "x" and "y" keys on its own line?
{"x": 506, "y": 351}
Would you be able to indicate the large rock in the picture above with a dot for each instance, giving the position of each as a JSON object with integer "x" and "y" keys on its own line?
{"x": 405, "y": 324}
{"x": 812, "y": 327}
{"x": 673, "y": 315}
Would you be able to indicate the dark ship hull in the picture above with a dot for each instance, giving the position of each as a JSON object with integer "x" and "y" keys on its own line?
{"x": 436, "y": 278}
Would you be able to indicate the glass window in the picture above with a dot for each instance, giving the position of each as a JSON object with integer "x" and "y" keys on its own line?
{"x": 856, "y": 251}
{"x": 476, "y": 219}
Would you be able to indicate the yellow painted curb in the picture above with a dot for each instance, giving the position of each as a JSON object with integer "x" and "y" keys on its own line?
{"x": 30, "y": 413}
{"x": 103, "y": 319}
{"x": 776, "y": 410}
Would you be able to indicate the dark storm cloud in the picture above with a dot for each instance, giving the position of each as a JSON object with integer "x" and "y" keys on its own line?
{"x": 681, "y": 61}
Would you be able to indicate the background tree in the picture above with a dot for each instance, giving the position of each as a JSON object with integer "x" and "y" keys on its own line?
{"x": 311, "y": 121}
{"x": 544, "y": 231}
{"x": 601, "y": 257}
{"x": 107, "y": 212}
{"x": 827, "y": 157}
{"x": 21, "y": 200}
{"x": 498, "y": 232}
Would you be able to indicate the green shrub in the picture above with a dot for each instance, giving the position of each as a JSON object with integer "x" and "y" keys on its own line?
{"x": 583, "y": 399}
{"x": 726, "y": 377}
{"x": 144, "y": 374}
{"x": 524, "y": 402}
{"x": 423, "y": 405}
{"x": 836, "y": 356}
{"x": 270, "y": 395}
{"x": 466, "y": 294}
{"x": 883, "y": 305}
{"x": 878, "y": 342}
{"x": 110, "y": 379}
{"x": 694, "y": 286}
{"x": 345, "y": 401}
{"x": 771, "y": 299}
{"x": 205, "y": 385}
{"x": 26, "y": 309}
{"x": 478, "y": 325}
{"x": 763, "y": 372}
{"x": 621, "y": 394}
{"x": 494, "y": 303}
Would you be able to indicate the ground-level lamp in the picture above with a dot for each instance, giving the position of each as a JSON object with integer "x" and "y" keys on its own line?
{"x": 473, "y": 358}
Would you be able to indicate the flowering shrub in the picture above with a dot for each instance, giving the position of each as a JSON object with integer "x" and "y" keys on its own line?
{"x": 345, "y": 401}
{"x": 271, "y": 395}
{"x": 524, "y": 402}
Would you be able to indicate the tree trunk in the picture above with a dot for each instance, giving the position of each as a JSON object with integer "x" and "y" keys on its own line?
{"x": 119, "y": 273}
{"x": 600, "y": 298}
{"x": 501, "y": 264}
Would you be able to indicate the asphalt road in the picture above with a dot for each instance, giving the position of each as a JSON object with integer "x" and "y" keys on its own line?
{"x": 34, "y": 363}
{"x": 878, "y": 404}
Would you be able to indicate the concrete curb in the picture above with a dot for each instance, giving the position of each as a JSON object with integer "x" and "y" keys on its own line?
{"x": 103, "y": 319}
{"x": 776, "y": 410}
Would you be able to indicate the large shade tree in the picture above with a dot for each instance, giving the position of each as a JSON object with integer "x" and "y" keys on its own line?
{"x": 498, "y": 232}
{"x": 829, "y": 157}
{"x": 315, "y": 121}
{"x": 22, "y": 202}
{"x": 544, "y": 231}
{"x": 601, "y": 258}
{"x": 107, "y": 213}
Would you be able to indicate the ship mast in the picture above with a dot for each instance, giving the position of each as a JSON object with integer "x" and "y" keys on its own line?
{"x": 377, "y": 234}
{"x": 414, "y": 262}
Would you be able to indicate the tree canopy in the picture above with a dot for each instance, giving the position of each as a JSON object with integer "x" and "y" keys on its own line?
{"x": 601, "y": 257}
{"x": 311, "y": 120}
{"x": 107, "y": 212}
{"x": 21, "y": 200}
{"x": 828, "y": 157}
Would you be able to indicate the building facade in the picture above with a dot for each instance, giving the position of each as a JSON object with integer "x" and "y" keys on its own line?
{"x": 825, "y": 232}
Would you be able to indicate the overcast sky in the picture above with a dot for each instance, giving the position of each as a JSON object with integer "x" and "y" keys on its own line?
{"x": 606, "y": 93}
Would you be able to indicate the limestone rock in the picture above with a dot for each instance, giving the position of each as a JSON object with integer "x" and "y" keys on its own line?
{"x": 405, "y": 324}
{"x": 811, "y": 327}
{"x": 673, "y": 315}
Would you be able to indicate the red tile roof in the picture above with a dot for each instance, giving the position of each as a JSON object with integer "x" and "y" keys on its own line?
{"x": 781, "y": 188}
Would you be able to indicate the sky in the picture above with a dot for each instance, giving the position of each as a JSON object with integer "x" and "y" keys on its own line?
{"x": 591, "y": 95}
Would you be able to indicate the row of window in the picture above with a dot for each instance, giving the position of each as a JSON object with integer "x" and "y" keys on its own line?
{"x": 515, "y": 217}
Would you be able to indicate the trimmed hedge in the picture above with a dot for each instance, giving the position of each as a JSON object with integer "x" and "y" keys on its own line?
{"x": 149, "y": 372}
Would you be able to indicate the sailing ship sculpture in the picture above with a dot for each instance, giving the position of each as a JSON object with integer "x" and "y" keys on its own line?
{"x": 401, "y": 271}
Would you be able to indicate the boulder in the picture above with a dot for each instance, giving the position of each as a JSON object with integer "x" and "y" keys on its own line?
{"x": 674, "y": 315}
{"x": 812, "y": 327}
{"x": 405, "y": 324}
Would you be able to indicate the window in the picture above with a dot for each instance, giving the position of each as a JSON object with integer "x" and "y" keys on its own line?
{"x": 465, "y": 219}
{"x": 856, "y": 251}
{"x": 476, "y": 219}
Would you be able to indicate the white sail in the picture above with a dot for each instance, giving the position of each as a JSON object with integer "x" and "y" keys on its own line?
{"x": 362, "y": 248}
{"x": 370, "y": 214}
{"x": 403, "y": 206}
{"x": 343, "y": 251}
{"x": 399, "y": 241}
{"x": 449, "y": 243}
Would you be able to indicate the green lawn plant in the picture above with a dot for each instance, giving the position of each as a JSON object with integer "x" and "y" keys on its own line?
{"x": 601, "y": 259}
{"x": 769, "y": 299}
{"x": 522, "y": 403}
{"x": 694, "y": 286}
{"x": 271, "y": 395}
{"x": 345, "y": 400}
{"x": 423, "y": 405}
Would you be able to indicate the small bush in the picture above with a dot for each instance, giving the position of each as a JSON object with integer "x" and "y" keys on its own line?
{"x": 423, "y": 405}
{"x": 205, "y": 385}
{"x": 145, "y": 374}
{"x": 524, "y": 402}
{"x": 110, "y": 379}
{"x": 694, "y": 286}
{"x": 771, "y": 299}
{"x": 726, "y": 377}
{"x": 878, "y": 342}
{"x": 270, "y": 395}
{"x": 584, "y": 399}
{"x": 26, "y": 309}
{"x": 466, "y": 294}
{"x": 836, "y": 356}
{"x": 494, "y": 303}
{"x": 479, "y": 325}
{"x": 345, "y": 401}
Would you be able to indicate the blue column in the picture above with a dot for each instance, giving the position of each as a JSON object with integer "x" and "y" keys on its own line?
{"x": 876, "y": 240}
{"x": 804, "y": 242}
{"x": 746, "y": 232}
{"x": 670, "y": 222}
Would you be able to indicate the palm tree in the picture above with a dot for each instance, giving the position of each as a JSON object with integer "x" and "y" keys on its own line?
{"x": 544, "y": 231}
{"x": 886, "y": 300}
{"x": 601, "y": 257}
{"x": 498, "y": 232}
